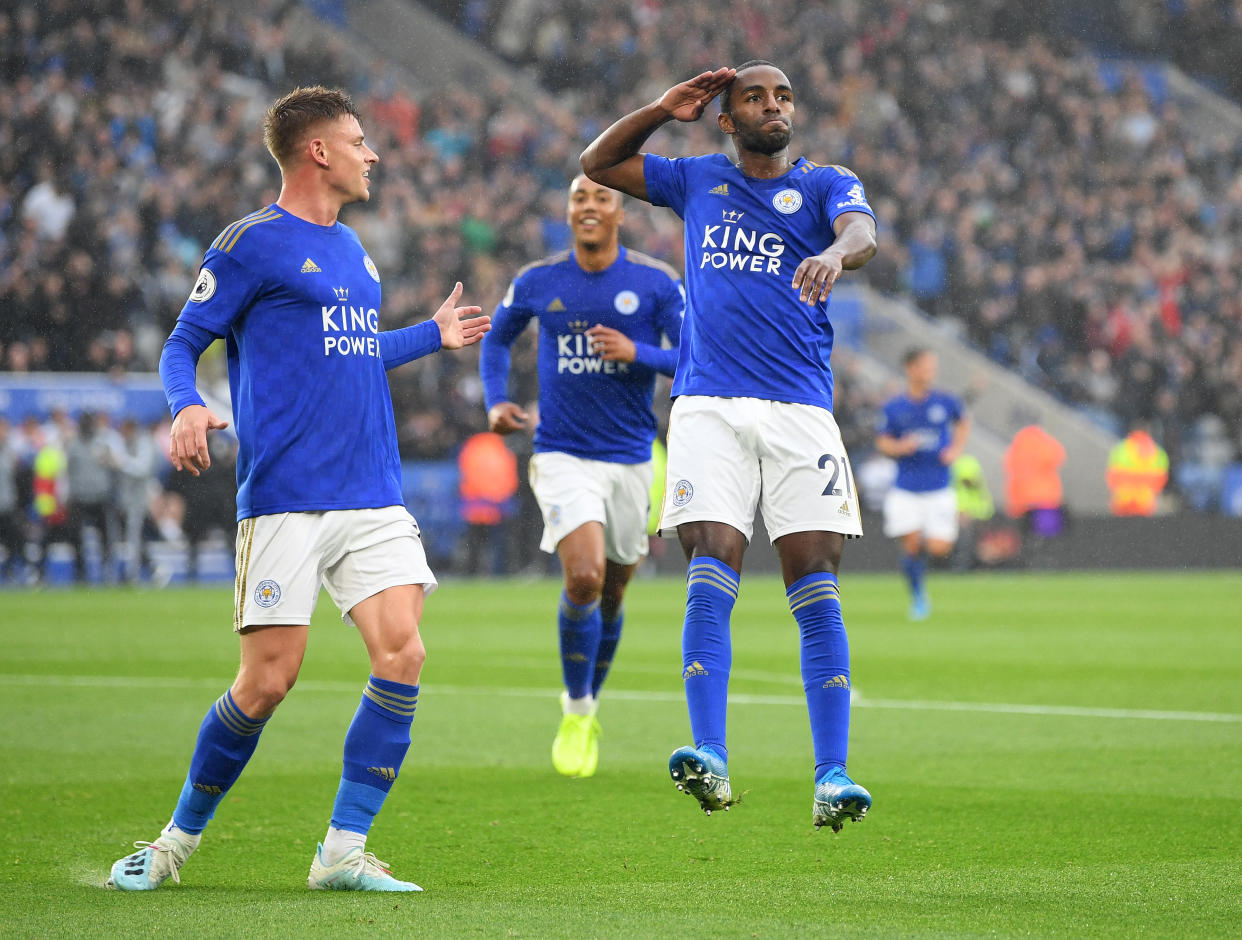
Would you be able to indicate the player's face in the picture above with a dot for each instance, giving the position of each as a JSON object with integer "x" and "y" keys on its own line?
{"x": 762, "y": 110}
{"x": 349, "y": 159}
{"x": 922, "y": 371}
{"x": 594, "y": 212}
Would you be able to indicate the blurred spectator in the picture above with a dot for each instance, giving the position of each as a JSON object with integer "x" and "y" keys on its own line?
{"x": 12, "y": 528}
{"x": 974, "y": 507}
{"x": 1033, "y": 489}
{"x": 134, "y": 458}
{"x": 1138, "y": 468}
{"x": 90, "y": 460}
{"x": 489, "y": 481}
{"x": 210, "y": 499}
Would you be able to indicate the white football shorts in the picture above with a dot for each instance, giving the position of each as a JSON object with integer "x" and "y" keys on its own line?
{"x": 355, "y": 553}
{"x": 572, "y": 491}
{"x": 728, "y": 456}
{"x": 933, "y": 513}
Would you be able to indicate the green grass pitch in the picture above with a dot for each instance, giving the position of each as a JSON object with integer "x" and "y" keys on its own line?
{"x": 1109, "y": 804}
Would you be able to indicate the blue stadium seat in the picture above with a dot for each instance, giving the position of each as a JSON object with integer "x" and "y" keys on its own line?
{"x": 1231, "y": 490}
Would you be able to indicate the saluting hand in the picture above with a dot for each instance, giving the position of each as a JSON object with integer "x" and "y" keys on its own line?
{"x": 611, "y": 345}
{"x": 187, "y": 441}
{"x": 460, "y": 326}
{"x": 687, "y": 100}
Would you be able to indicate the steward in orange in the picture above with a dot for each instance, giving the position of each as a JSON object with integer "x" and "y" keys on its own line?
{"x": 1138, "y": 468}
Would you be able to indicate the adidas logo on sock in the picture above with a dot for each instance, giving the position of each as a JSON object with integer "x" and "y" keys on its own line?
{"x": 694, "y": 669}
{"x": 837, "y": 682}
{"x": 385, "y": 773}
{"x": 209, "y": 788}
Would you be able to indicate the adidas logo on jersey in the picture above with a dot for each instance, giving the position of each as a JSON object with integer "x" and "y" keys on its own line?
{"x": 309, "y": 267}
{"x": 556, "y": 306}
{"x": 721, "y": 190}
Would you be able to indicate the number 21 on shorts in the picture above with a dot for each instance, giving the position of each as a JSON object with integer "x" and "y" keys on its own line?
{"x": 840, "y": 472}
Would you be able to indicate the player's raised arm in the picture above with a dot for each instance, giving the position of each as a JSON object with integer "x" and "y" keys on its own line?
{"x": 614, "y": 160}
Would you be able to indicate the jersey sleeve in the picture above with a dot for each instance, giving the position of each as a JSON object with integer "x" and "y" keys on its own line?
{"x": 957, "y": 410}
{"x": 666, "y": 181}
{"x": 669, "y": 317}
{"x": 843, "y": 194}
{"x": 397, "y": 347}
{"x": 225, "y": 288}
{"x": 885, "y": 424}
{"x": 510, "y": 319}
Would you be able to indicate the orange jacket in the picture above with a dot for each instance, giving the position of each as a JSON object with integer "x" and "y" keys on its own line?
{"x": 489, "y": 478}
{"x": 1033, "y": 471}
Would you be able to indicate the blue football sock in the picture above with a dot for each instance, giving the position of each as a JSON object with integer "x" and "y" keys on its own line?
{"x": 375, "y": 746}
{"x": 580, "y": 633}
{"x": 226, "y": 739}
{"x": 707, "y": 650}
{"x": 609, "y": 637}
{"x": 816, "y": 604}
{"x": 914, "y": 567}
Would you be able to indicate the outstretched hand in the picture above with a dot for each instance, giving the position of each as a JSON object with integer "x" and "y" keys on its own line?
{"x": 686, "y": 101}
{"x": 815, "y": 276}
{"x": 460, "y": 326}
{"x": 187, "y": 441}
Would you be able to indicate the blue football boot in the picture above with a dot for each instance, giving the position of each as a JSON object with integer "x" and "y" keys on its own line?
{"x": 702, "y": 774}
{"x": 838, "y": 798}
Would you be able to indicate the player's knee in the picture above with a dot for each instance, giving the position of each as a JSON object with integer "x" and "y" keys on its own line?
{"x": 258, "y": 695}
{"x": 584, "y": 581}
{"x": 401, "y": 662}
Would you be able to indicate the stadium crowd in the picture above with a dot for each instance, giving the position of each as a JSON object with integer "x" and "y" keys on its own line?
{"x": 1071, "y": 226}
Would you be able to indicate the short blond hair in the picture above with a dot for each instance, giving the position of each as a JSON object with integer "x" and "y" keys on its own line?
{"x": 290, "y": 117}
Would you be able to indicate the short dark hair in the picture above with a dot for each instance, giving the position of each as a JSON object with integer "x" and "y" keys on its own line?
{"x": 726, "y": 105}
{"x": 289, "y": 118}
{"x": 913, "y": 354}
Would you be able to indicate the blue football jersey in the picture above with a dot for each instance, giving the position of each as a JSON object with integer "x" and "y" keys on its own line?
{"x": 298, "y": 304}
{"x": 747, "y": 334}
{"x": 588, "y": 407}
{"x": 932, "y": 419}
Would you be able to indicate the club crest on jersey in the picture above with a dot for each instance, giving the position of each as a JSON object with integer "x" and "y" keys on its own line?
{"x": 204, "y": 287}
{"x": 626, "y": 302}
{"x": 267, "y": 593}
{"x": 936, "y": 414}
{"x": 787, "y": 201}
{"x": 683, "y": 492}
{"x": 371, "y": 268}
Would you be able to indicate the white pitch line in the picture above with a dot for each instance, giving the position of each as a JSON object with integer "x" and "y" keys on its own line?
{"x": 634, "y": 695}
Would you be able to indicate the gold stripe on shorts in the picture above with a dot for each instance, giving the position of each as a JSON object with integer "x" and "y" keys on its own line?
{"x": 243, "y": 570}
